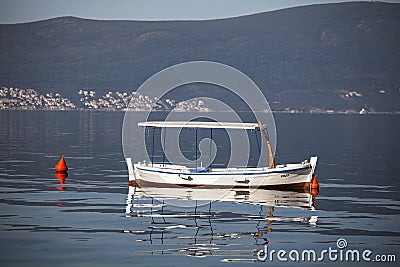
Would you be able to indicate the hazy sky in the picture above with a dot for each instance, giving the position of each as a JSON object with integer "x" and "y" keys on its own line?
{"x": 14, "y": 11}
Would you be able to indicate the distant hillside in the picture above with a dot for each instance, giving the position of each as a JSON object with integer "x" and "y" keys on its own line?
{"x": 301, "y": 57}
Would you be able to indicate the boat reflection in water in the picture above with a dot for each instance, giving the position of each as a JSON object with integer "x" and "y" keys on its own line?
{"x": 188, "y": 221}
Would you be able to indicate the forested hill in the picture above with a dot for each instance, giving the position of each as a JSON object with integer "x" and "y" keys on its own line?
{"x": 320, "y": 55}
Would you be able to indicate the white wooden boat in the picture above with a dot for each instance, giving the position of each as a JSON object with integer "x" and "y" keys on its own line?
{"x": 283, "y": 176}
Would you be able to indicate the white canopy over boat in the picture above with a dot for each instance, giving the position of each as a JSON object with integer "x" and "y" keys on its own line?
{"x": 200, "y": 124}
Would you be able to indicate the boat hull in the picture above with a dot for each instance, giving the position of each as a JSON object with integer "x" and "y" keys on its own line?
{"x": 290, "y": 175}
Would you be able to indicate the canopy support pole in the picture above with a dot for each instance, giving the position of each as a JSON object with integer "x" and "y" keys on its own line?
{"x": 211, "y": 140}
{"x": 258, "y": 143}
{"x": 163, "y": 146}
{"x": 152, "y": 149}
{"x": 196, "y": 148}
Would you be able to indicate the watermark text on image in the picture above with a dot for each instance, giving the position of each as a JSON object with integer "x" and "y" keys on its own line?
{"x": 338, "y": 253}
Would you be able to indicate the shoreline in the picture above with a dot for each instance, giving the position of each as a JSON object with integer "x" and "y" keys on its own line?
{"x": 210, "y": 111}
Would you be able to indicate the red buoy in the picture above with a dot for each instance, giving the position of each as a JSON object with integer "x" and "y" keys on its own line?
{"x": 314, "y": 188}
{"x": 61, "y": 165}
{"x": 61, "y": 176}
{"x": 314, "y": 182}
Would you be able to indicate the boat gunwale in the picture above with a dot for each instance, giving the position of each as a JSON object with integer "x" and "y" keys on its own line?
{"x": 261, "y": 172}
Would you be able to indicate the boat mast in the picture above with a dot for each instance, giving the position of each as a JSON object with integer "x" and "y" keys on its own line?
{"x": 271, "y": 155}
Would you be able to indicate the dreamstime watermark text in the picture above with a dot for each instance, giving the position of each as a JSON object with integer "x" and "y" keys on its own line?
{"x": 338, "y": 253}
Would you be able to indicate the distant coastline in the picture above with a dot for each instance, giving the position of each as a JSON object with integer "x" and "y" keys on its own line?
{"x": 30, "y": 100}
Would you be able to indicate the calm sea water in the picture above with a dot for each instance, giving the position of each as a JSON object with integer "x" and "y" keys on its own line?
{"x": 95, "y": 219}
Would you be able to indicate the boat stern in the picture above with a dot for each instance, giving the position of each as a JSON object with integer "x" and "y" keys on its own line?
{"x": 313, "y": 162}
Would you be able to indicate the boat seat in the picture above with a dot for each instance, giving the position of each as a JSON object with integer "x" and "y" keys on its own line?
{"x": 200, "y": 170}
